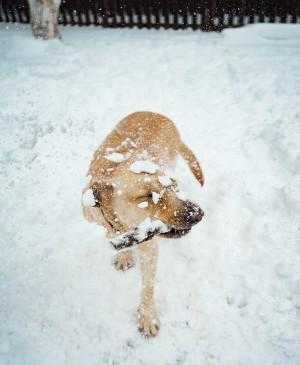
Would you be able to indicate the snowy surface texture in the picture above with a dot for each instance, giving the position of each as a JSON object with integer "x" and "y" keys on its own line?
{"x": 229, "y": 292}
{"x": 143, "y": 166}
{"x": 143, "y": 205}
{"x": 155, "y": 197}
{"x": 88, "y": 199}
{"x": 165, "y": 180}
{"x": 115, "y": 157}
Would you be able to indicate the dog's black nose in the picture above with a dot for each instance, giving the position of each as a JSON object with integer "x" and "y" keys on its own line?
{"x": 193, "y": 214}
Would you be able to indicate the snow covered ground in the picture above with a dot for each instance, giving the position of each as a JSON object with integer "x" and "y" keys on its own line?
{"x": 229, "y": 292}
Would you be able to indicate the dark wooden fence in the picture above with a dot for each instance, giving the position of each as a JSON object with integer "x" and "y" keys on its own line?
{"x": 177, "y": 14}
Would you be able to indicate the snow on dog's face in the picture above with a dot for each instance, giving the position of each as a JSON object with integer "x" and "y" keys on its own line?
{"x": 140, "y": 192}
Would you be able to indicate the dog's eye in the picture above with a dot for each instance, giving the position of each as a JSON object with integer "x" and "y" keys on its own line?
{"x": 144, "y": 197}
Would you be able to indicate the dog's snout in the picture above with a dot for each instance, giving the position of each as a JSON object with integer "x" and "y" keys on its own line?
{"x": 193, "y": 213}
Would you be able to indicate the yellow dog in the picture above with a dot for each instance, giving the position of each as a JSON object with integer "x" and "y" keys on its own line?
{"x": 133, "y": 196}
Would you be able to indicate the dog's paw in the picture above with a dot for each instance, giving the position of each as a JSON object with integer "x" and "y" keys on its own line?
{"x": 148, "y": 322}
{"x": 124, "y": 260}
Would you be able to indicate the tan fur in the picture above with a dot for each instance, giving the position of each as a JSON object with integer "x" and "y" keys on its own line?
{"x": 143, "y": 128}
{"x": 119, "y": 191}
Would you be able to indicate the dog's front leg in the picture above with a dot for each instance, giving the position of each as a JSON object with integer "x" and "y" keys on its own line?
{"x": 124, "y": 260}
{"x": 148, "y": 322}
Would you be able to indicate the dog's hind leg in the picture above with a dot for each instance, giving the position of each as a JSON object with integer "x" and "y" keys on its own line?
{"x": 124, "y": 260}
{"x": 148, "y": 323}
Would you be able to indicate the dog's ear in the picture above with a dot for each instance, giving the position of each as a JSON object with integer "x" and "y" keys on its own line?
{"x": 96, "y": 203}
{"x": 102, "y": 192}
{"x": 97, "y": 194}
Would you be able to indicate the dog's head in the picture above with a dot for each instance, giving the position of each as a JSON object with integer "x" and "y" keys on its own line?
{"x": 130, "y": 198}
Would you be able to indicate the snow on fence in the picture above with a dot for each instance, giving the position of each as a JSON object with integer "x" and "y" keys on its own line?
{"x": 177, "y": 14}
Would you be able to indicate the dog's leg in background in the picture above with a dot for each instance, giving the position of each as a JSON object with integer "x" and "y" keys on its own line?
{"x": 148, "y": 322}
{"x": 44, "y": 18}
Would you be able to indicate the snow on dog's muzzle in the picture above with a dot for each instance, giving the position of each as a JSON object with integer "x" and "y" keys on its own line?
{"x": 143, "y": 232}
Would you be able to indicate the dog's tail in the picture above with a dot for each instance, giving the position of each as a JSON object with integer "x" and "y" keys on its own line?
{"x": 192, "y": 161}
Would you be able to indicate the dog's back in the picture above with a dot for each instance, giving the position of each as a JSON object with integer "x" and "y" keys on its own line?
{"x": 143, "y": 133}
